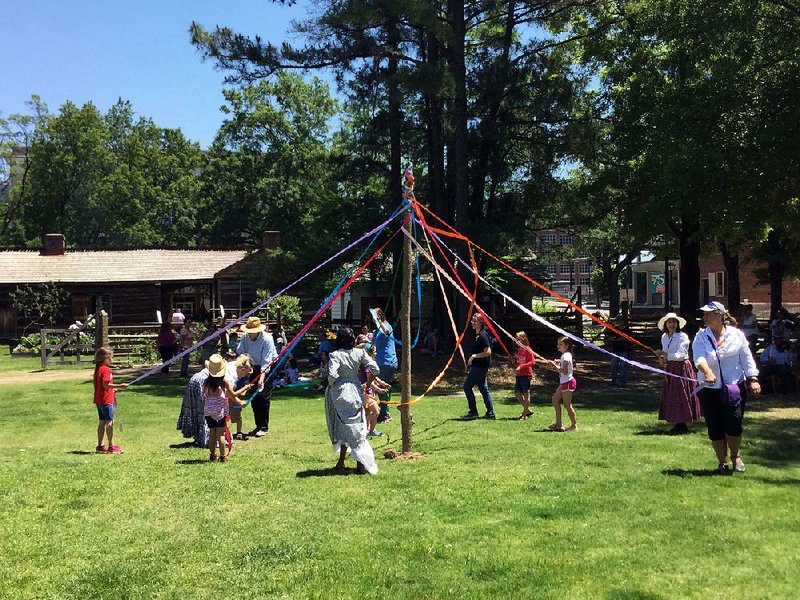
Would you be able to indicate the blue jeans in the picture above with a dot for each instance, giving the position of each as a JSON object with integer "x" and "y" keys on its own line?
{"x": 386, "y": 374}
{"x": 621, "y": 367}
{"x": 477, "y": 376}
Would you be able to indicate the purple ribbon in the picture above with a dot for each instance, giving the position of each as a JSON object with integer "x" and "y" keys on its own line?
{"x": 567, "y": 334}
{"x": 244, "y": 317}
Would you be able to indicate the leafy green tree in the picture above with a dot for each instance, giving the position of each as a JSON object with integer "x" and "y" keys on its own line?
{"x": 111, "y": 180}
{"x": 17, "y": 134}
{"x": 40, "y": 304}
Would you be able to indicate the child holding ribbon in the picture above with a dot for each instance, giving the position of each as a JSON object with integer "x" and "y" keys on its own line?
{"x": 105, "y": 400}
{"x": 522, "y": 386}
{"x": 237, "y": 374}
{"x": 566, "y": 387}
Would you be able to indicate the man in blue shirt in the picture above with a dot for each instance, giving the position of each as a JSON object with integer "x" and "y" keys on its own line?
{"x": 260, "y": 347}
{"x": 386, "y": 357}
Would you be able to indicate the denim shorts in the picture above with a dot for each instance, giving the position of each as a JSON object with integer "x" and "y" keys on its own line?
{"x": 212, "y": 422}
{"x": 522, "y": 384}
{"x": 105, "y": 412}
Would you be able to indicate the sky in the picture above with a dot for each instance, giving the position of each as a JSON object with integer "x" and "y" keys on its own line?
{"x": 101, "y": 50}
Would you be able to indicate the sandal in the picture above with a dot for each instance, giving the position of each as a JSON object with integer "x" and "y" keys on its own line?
{"x": 212, "y": 458}
{"x": 524, "y": 416}
{"x": 555, "y": 427}
{"x": 571, "y": 428}
{"x": 224, "y": 458}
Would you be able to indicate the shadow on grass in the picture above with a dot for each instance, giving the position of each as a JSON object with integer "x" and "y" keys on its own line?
{"x": 766, "y": 480}
{"x": 683, "y": 473}
{"x": 329, "y": 472}
{"x": 771, "y": 402}
{"x": 192, "y": 461}
{"x": 774, "y": 441}
{"x": 662, "y": 430}
{"x": 183, "y": 445}
{"x": 81, "y": 452}
{"x": 161, "y": 386}
{"x": 616, "y": 399}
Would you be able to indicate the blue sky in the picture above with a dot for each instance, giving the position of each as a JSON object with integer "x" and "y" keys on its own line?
{"x": 100, "y": 50}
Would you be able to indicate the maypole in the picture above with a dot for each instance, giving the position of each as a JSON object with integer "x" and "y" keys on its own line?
{"x": 406, "y": 421}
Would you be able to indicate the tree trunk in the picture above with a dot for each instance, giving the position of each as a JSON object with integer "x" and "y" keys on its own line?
{"x": 611, "y": 277}
{"x": 731, "y": 259}
{"x": 488, "y": 129}
{"x": 689, "y": 250}
{"x": 457, "y": 151}
{"x": 777, "y": 271}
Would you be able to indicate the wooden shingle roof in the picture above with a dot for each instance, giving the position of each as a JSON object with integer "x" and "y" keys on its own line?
{"x": 115, "y": 266}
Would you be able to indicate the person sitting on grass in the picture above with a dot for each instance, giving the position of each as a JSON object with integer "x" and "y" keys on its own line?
{"x": 566, "y": 386}
{"x": 215, "y": 407}
{"x": 105, "y": 399}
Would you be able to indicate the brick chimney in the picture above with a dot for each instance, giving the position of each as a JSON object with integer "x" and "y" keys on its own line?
{"x": 271, "y": 240}
{"x": 54, "y": 244}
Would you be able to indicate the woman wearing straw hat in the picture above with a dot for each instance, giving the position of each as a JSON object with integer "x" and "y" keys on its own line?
{"x": 678, "y": 405}
{"x": 724, "y": 361}
{"x": 260, "y": 347}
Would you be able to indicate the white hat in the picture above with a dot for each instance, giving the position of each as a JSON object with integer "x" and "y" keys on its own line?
{"x": 663, "y": 320}
{"x": 714, "y": 306}
{"x": 216, "y": 365}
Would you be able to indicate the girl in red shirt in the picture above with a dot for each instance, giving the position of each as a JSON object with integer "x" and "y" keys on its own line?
{"x": 104, "y": 399}
{"x": 525, "y": 361}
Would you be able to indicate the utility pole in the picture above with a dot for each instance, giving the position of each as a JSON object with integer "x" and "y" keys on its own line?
{"x": 406, "y": 422}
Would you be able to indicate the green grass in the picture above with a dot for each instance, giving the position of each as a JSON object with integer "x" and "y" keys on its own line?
{"x": 29, "y": 364}
{"x": 493, "y": 509}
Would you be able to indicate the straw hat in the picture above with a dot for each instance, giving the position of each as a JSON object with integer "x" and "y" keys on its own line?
{"x": 216, "y": 365}
{"x": 663, "y": 320}
{"x": 254, "y": 325}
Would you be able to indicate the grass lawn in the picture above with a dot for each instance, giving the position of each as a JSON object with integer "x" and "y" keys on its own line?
{"x": 493, "y": 510}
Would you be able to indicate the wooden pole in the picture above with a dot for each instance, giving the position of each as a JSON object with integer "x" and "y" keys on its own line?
{"x": 405, "y": 323}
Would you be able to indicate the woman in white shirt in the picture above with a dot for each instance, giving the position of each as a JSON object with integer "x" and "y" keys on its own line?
{"x": 722, "y": 356}
{"x": 678, "y": 405}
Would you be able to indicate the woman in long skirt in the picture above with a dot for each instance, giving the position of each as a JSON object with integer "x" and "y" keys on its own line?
{"x": 678, "y": 405}
{"x": 344, "y": 403}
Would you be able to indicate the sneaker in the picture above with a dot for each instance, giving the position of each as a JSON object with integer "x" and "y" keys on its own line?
{"x": 738, "y": 465}
{"x": 261, "y": 433}
{"x": 101, "y": 450}
{"x": 489, "y": 416}
{"x": 115, "y": 449}
{"x": 468, "y": 417}
{"x": 722, "y": 470}
{"x": 253, "y": 432}
{"x": 375, "y": 433}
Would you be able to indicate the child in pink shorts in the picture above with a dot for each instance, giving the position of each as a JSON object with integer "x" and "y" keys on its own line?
{"x": 566, "y": 386}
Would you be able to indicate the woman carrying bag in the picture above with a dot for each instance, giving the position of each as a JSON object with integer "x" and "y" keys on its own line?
{"x": 726, "y": 373}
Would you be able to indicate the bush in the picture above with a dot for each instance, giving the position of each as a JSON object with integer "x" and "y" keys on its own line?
{"x": 32, "y": 344}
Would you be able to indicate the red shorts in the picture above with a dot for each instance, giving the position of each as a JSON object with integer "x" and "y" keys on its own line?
{"x": 569, "y": 386}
